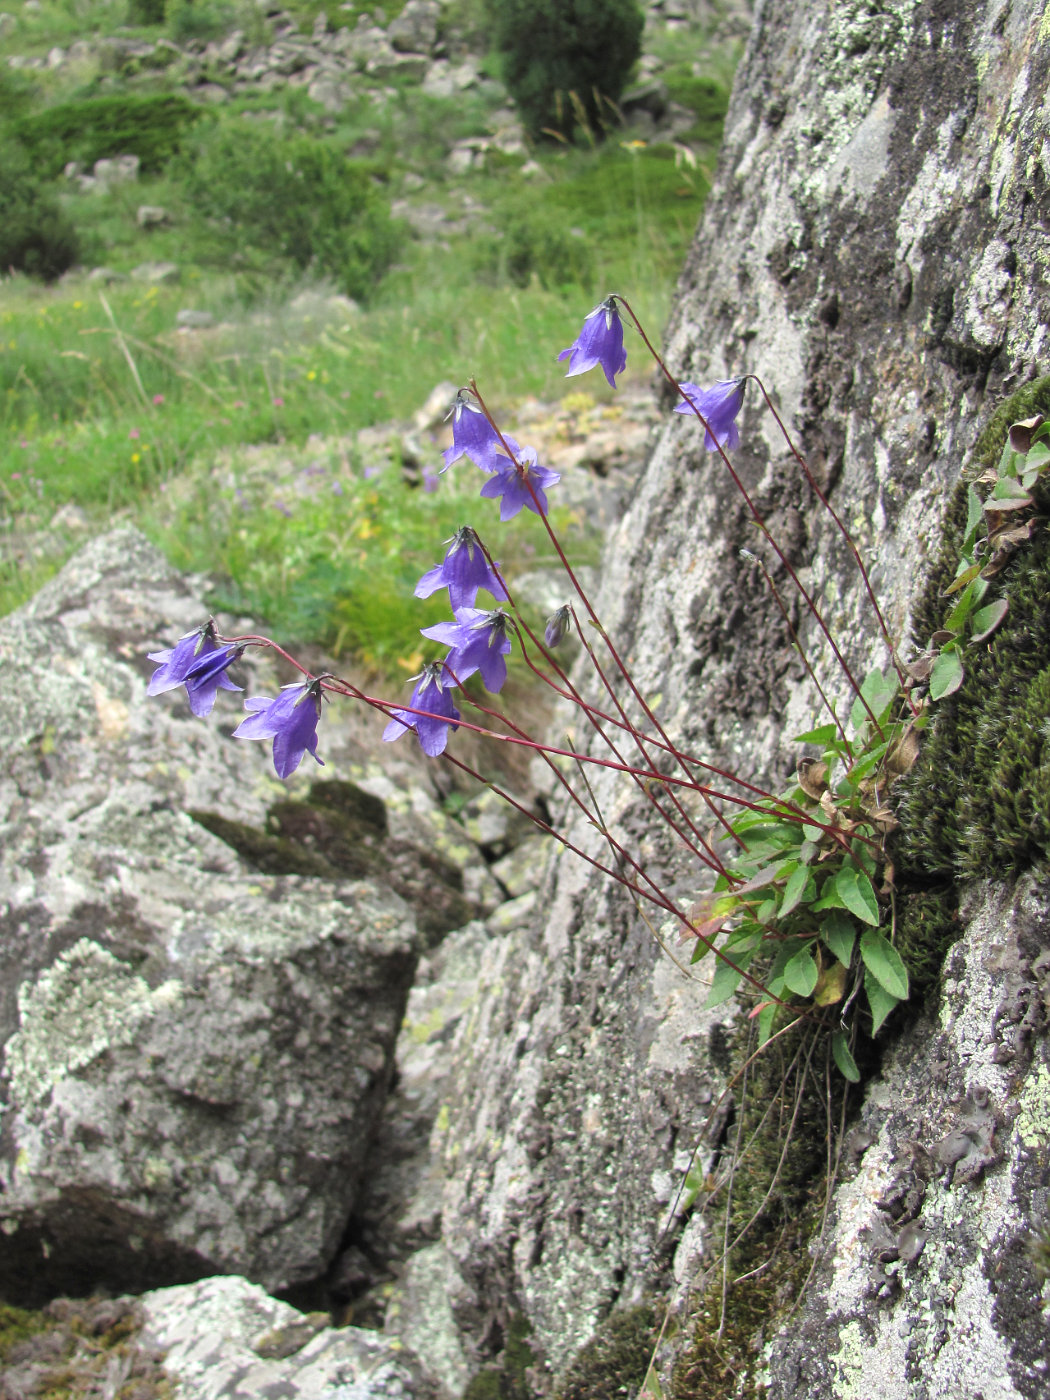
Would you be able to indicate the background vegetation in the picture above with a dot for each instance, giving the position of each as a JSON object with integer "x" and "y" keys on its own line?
{"x": 323, "y": 302}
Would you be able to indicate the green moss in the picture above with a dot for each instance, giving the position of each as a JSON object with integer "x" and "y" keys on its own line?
{"x": 509, "y": 1380}
{"x": 613, "y": 1364}
{"x": 779, "y": 1181}
{"x": 1026, "y": 402}
{"x": 74, "y": 1348}
{"x": 16, "y": 1326}
{"x": 977, "y": 801}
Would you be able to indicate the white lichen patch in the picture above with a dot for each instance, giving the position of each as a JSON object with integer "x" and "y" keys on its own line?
{"x": 86, "y": 1004}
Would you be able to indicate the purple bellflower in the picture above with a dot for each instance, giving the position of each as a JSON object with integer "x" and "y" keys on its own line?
{"x": 479, "y": 642}
{"x": 473, "y": 435}
{"x": 557, "y": 625}
{"x": 719, "y": 406}
{"x": 510, "y": 483}
{"x": 433, "y": 693}
{"x": 290, "y": 721}
{"x": 463, "y": 571}
{"x": 197, "y": 662}
{"x": 600, "y": 342}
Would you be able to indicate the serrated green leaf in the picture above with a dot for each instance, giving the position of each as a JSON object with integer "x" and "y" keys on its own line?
{"x": 801, "y": 972}
{"x": 794, "y": 889}
{"x": 857, "y": 894}
{"x": 880, "y": 1001}
{"x": 839, "y": 934}
{"x": 841, "y": 1053}
{"x": 884, "y": 963}
{"x": 947, "y": 675}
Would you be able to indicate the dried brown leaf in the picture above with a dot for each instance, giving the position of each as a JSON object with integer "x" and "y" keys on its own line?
{"x": 1021, "y": 433}
{"x": 813, "y": 777}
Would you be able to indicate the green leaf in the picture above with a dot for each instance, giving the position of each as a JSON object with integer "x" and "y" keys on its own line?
{"x": 974, "y": 515}
{"x": 970, "y": 597}
{"x": 811, "y": 833}
{"x": 867, "y": 762}
{"x": 880, "y": 1001}
{"x": 962, "y": 579}
{"x": 988, "y": 618}
{"x": 845, "y": 1061}
{"x": 880, "y": 691}
{"x": 794, "y": 889}
{"x": 726, "y": 979}
{"x": 765, "y": 1022}
{"x": 857, "y": 894}
{"x": 884, "y": 963}
{"x": 822, "y": 735}
{"x": 1008, "y": 494}
{"x": 947, "y": 675}
{"x": 801, "y": 973}
{"x": 839, "y": 935}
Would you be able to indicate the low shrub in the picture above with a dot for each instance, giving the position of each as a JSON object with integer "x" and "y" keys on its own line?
{"x": 36, "y": 235}
{"x": 565, "y": 61}
{"x": 148, "y": 126}
{"x": 295, "y": 197}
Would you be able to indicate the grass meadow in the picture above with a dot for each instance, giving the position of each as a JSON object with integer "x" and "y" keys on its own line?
{"x": 234, "y": 445}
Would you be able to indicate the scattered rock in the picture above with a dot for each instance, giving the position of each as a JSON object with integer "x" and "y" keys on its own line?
{"x": 116, "y": 170}
{"x": 415, "y": 28}
{"x": 152, "y": 216}
{"x": 160, "y": 273}
{"x": 225, "y": 1339}
{"x": 187, "y": 319}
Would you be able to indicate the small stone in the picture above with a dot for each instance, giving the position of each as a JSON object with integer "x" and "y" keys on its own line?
{"x": 152, "y": 216}
{"x": 158, "y": 272}
{"x": 187, "y": 319}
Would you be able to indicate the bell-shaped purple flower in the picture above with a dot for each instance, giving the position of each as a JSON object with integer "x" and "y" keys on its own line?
{"x": 473, "y": 435}
{"x": 479, "y": 642}
{"x": 511, "y": 481}
{"x": 718, "y": 406}
{"x": 557, "y": 625}
{"x": 600, "y": 342}
{"x": 197, "y": 662}
{"x": 290, "y": 721}
{"x": 463, "y": 571}
{"x": 433, "y": 694}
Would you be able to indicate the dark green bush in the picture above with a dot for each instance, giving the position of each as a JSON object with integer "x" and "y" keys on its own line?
{"x": 294, "y": 197}
{"x": 36, "y": 235}
{"x": 145, "y": 11}
{"x": 565, "y": 61}
{"x": 150, "y": 127}
{"x": 532, "y": 246}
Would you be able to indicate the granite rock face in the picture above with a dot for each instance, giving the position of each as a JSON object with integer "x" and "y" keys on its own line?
{"x": 874, "y": 248}
{"x": 193, "y": 1053}
{"x": 929, "y": 1285}
{"x": 225, "y": 1337}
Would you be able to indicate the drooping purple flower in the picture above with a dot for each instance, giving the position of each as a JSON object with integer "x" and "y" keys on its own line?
{"x": 719, "y": 407}
{"x": 510, "y": 483}
{"x": 290, "y": 721}
{"x": 473, "y": 435}
{"x": 463, "y": 571}
{"x": 198, "y": 662}
{"x": 600, "y": 342}
{"x": 433, "y": 694}
{"x": 557, "y": 625}
{"x": 479, "y": 642}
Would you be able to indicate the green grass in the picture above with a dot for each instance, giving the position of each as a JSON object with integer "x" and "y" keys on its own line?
{"x": 105, "y": 408}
